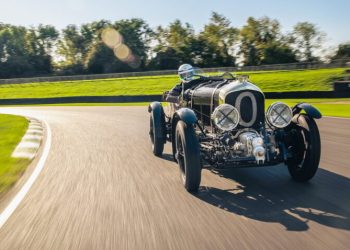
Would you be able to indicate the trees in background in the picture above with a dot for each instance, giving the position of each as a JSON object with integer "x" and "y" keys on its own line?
{"x": 172, "y": 45}
{"x": 307, "y": 38}
{"x": 26, "y": 52}
{"x": 263, "y": 43}
{"x": 135, "y": 36}
{"x": 342, "y": 51}
{"x": 13, "y": 55}
{"x": 77, "y": 44}
{"x": 42, "y": 50}
{"x": 220, "y": 37}
{"x": 178, "y": 43}
{"x": 82, "y": 50}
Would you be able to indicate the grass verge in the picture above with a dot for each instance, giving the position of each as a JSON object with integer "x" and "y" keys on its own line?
{"x": 297, "y": 80}
{"x": 12, "y": 129}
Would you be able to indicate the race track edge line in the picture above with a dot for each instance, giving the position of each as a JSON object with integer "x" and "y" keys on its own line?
{"x": 6, "y": 214}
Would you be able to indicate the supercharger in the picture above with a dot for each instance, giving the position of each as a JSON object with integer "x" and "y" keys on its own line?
{"x": 252, "y": 144}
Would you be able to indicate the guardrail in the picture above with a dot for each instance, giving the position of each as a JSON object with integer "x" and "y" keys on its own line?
{"x": 291, "y": 66}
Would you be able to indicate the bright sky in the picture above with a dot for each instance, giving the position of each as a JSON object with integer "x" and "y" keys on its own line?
{"x": 331, "y": 16}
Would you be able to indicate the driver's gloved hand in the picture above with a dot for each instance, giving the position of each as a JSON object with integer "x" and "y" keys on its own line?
{"x": 174, "y": 93}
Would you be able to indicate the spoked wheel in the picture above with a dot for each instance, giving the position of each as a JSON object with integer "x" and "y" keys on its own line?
{"x": 306, "y": 148}
{"x": 188, "y": 156}
{"x": 156, "y": 133}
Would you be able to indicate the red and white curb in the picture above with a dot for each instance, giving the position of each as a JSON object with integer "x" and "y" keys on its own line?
{"x": 31, "y": 141}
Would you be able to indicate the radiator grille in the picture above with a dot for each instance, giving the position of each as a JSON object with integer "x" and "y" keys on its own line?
{"x": 250, "y": 104}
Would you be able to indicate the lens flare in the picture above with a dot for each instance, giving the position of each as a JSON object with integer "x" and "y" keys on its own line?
{"x": 122, "y": 52}
{"x": 114, "y": 40}
{"x": 134, "y": 62}
{"x": 111, "y": 38}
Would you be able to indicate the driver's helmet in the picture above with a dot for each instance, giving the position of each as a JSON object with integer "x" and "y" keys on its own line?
{"x": 186, "y": 72}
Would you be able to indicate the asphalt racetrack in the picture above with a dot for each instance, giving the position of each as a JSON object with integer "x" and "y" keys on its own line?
{"x": 102, "y": 188}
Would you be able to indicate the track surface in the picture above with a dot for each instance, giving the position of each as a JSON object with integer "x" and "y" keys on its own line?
{"x": 102, "y": 188}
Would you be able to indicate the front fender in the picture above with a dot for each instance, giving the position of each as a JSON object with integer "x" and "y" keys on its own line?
{"x": 186, "y": 115}
{"x": 155, "y": 106}
{"x": 309, "y": 110}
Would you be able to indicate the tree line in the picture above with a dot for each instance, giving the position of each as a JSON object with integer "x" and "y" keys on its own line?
{"x": 44, "y": 50}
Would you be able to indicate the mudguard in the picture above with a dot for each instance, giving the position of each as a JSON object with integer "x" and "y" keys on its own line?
{"x": 309, "y": 110}
{"x": 186, "y": 115}
{"x": 155, "y": 106}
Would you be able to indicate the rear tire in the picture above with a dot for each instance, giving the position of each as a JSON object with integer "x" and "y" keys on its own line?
{"x": 157, "y": 135}
{"x": 306, "y": 148}
{"x": 188, "y": 156}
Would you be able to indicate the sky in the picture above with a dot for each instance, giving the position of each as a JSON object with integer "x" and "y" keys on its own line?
{"x": 331, "y": 17}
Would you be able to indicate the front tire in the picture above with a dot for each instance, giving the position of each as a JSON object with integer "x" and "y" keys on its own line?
{"x": 306, "y": 148}
{"x": 188, "y": 156}
{"x": 157, "y": 133}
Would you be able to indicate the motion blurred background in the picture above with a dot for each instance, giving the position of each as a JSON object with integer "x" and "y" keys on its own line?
{"x": 101, "y": 187}
{"x": 41, "y": 38}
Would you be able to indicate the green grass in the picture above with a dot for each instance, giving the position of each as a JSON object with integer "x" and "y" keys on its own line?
{"x": 12, "y": 129}
{"x": 298, "y": 80}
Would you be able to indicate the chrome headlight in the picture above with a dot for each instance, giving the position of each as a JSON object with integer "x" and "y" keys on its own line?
{"x": 225, "y": 117}
{"x": 279, "y": 115}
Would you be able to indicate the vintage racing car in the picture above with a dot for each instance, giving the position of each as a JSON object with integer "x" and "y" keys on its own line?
{"x": 220, "y": 122}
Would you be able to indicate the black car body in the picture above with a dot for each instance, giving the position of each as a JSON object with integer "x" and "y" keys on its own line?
{"x": 220, "y": 122}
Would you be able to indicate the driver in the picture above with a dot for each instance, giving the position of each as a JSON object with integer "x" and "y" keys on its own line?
{"x": 186, "y": 75}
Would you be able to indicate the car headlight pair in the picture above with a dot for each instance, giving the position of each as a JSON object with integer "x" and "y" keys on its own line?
{"x": 226, "y": 117}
